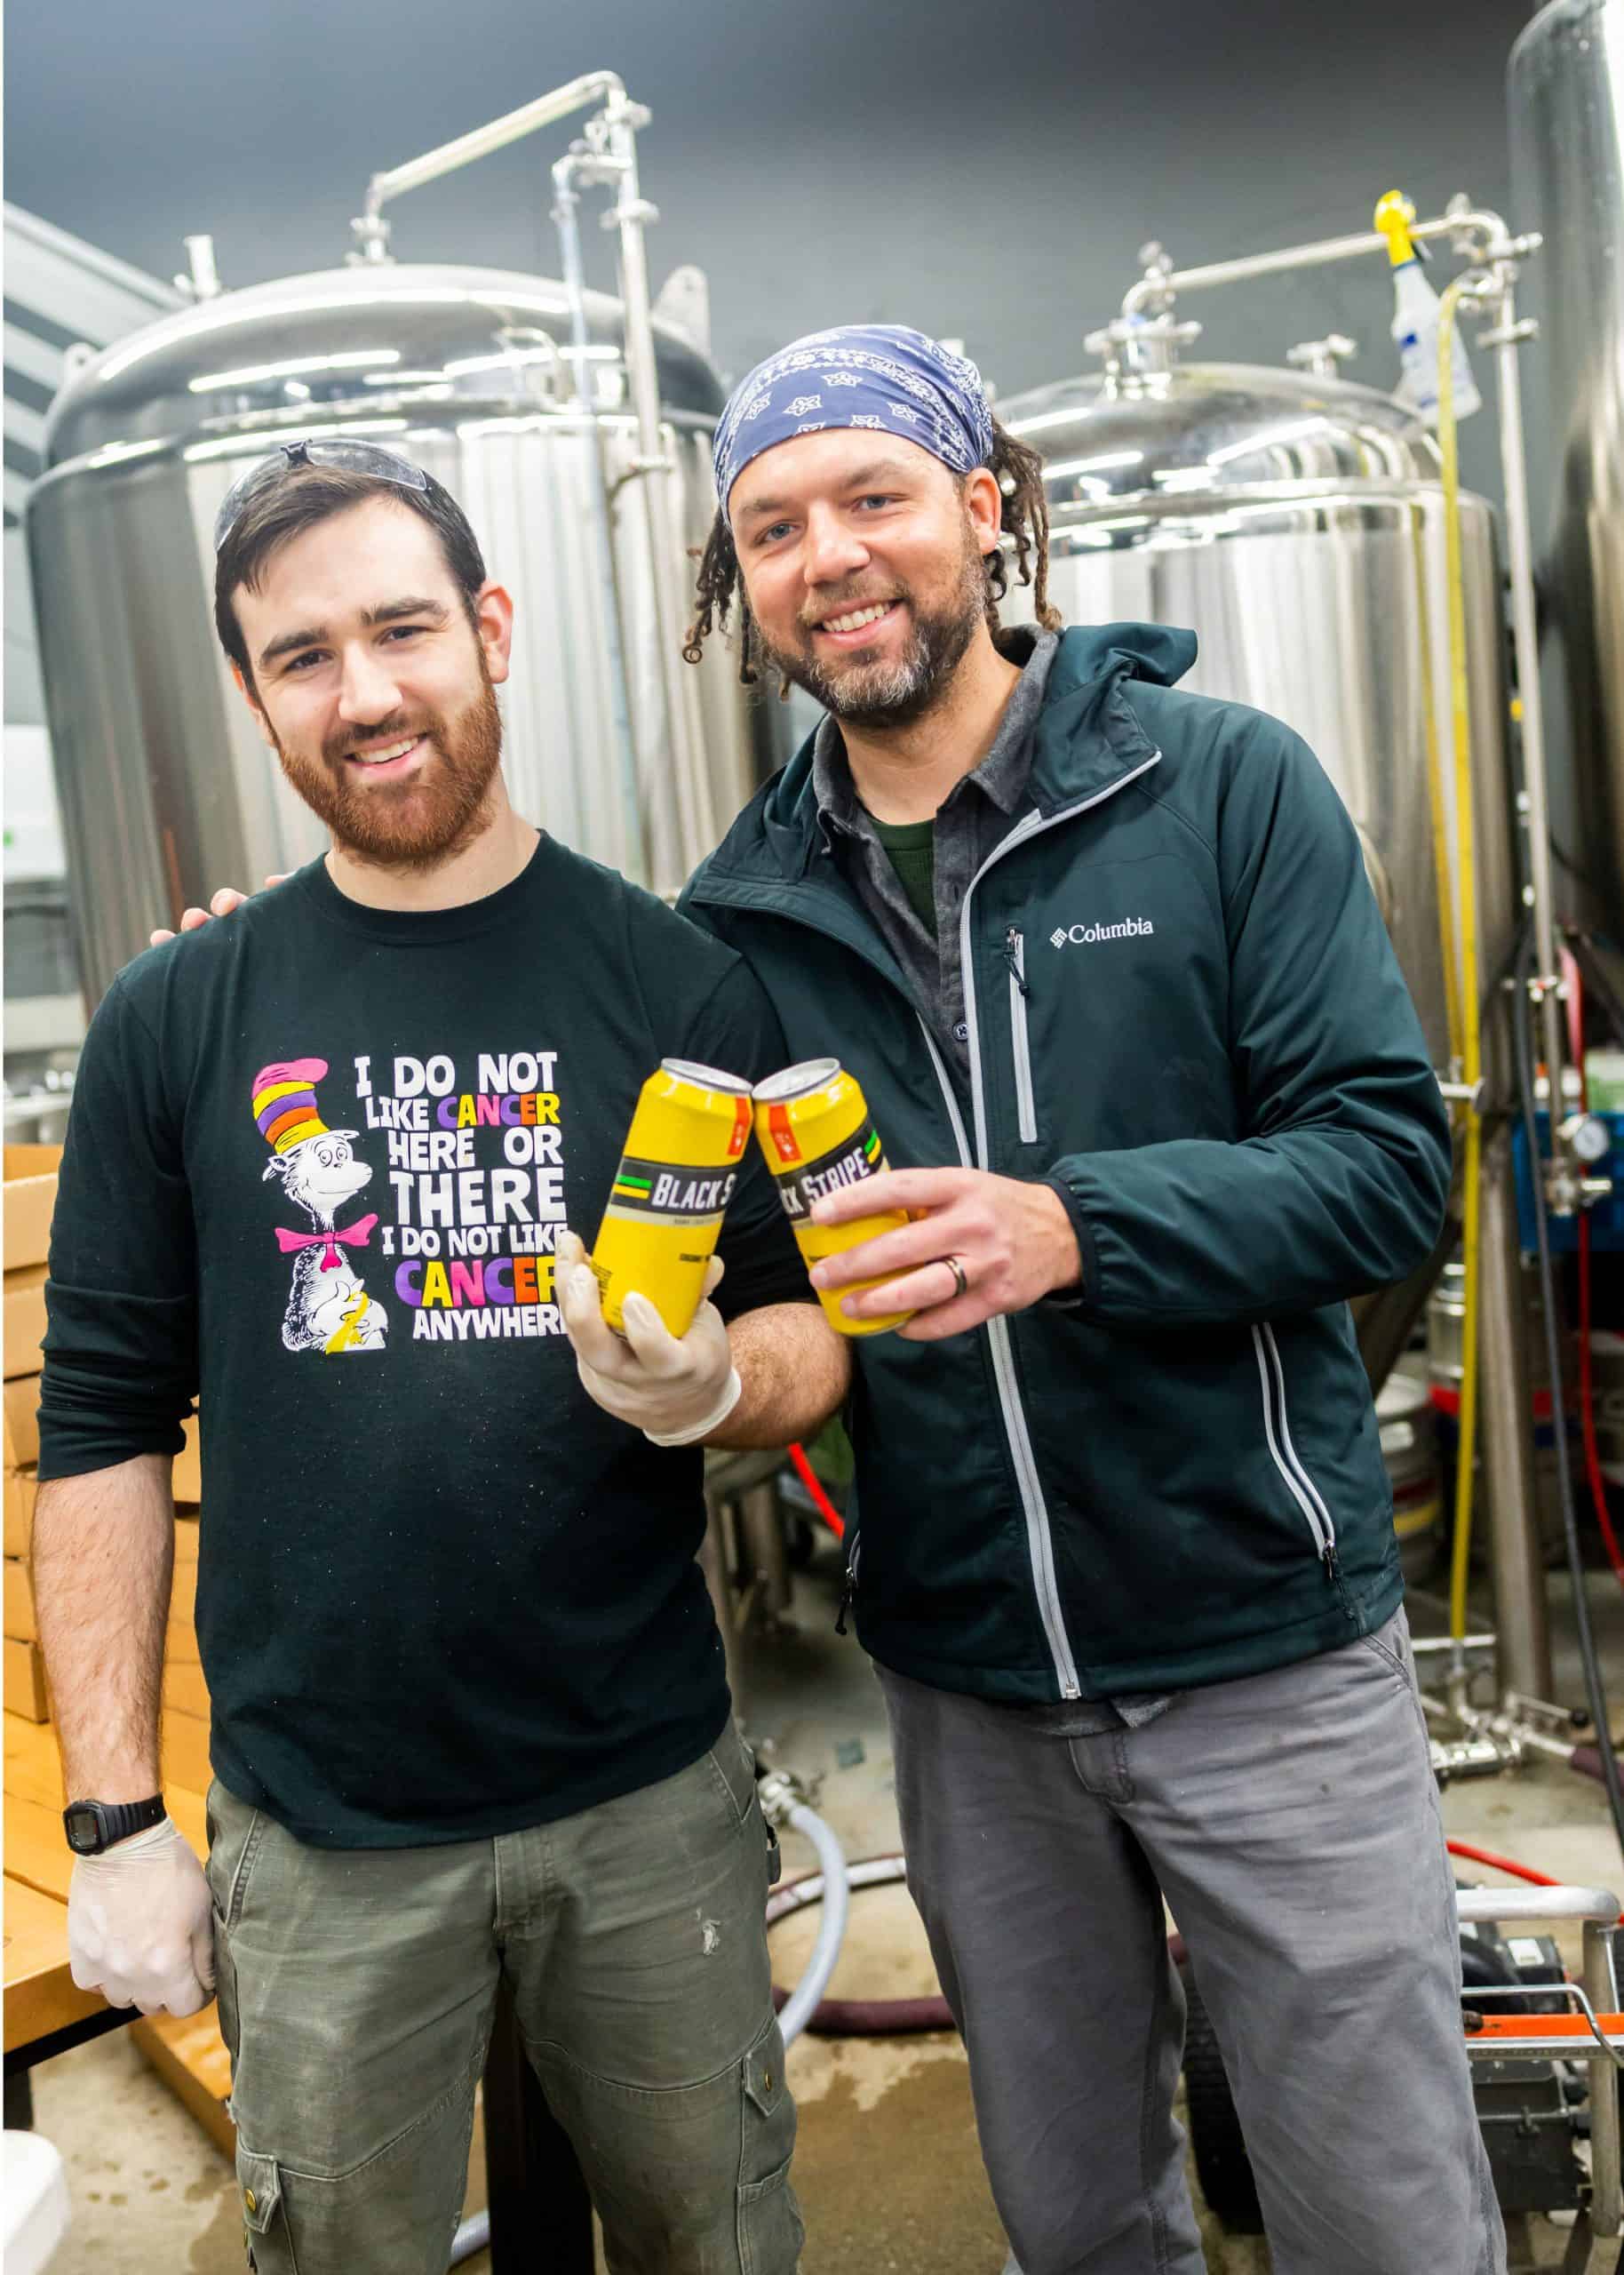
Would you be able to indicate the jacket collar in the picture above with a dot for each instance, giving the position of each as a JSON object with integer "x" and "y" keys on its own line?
{"x": 1002, "y": 776}
{"x": 1087, "y": 737}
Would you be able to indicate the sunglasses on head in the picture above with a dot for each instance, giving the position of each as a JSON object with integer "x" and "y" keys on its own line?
{"x": 353, "y": 458}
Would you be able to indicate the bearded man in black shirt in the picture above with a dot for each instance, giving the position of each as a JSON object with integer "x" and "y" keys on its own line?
{"x": 470, "y": 1717}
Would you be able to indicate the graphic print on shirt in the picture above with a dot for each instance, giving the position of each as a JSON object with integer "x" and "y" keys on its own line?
{"x": 329, "y": 1308}
{"x": 476, "y": 1172}
{"x": 476, "y": 1169}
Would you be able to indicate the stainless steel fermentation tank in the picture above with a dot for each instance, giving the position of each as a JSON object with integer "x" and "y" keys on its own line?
{"x": 1296, "y": 522}
{"x": 165, "y": 786}
{"x": 1566, "y": 86}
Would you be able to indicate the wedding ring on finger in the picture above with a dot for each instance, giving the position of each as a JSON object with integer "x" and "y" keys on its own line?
{"x": 961, "y": 1285}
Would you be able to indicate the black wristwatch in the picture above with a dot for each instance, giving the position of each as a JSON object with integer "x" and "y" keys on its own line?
{"x": 92, "y": 1826}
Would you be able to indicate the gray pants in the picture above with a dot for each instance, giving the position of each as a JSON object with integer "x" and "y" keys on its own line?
{"x": 1292, "y": 1820}
{"x": 356, "y": 1991}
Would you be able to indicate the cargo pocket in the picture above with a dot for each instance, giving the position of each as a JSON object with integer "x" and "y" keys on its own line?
{"x": 264, "y": 2228}
{"x": 770, "y": 2233}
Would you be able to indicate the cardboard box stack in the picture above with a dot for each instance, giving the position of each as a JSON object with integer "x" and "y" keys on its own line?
{"x": 31, "y": 1196}
{"x": 188, "y": 2052}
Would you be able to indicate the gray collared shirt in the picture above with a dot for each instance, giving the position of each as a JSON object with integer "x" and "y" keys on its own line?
{"x": 978, "y": 811}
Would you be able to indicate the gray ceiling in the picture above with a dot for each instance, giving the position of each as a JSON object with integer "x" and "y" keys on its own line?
{"x": 980, "y": 171}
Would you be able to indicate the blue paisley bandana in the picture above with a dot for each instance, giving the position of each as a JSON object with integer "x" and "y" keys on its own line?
{"x": 876, "y": 375}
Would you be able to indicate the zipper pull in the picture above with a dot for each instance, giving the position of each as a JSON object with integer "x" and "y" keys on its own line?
{"x": 1333, "y": 1563}
{"x": 1012, "y": 957}
{"x": 849, "y": 1593}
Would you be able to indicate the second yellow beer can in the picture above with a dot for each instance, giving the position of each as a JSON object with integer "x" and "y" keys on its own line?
{"x": 676, "y": 1179}
{"x": 818, "y": 1134}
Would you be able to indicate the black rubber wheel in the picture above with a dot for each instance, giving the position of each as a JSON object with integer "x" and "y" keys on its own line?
{"x": 1222, "y": 2166}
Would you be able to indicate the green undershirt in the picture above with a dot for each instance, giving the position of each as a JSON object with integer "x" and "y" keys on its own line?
{"x": 912, "y": 848}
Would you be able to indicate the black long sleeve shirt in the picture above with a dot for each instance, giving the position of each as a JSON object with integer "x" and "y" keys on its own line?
{"x": 317, "y": 1161}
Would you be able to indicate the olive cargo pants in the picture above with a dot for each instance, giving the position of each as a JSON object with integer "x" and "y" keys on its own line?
{"x": 356, "y": 1991}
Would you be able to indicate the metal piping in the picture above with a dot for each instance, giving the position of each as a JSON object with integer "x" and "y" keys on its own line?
{"x": 629, "y": 215}
{"x": 1159, "y": 286}
{"x": 608, "y": 155}
{"x": 565, "y": 215}
{"x": 1606, "y": 2163}
{"x": 1481, "y": 236}
{"x": 1516, "y": 1556}
{"x": 203, "y": 277}
{"x": 1505, "y": 337}
{"x": 578, "y": 94}
{"x": 1564, "y": 1903}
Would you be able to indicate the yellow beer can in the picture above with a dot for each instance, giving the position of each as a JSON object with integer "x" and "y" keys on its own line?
{"x": 818, "y": 1134}
{"x": 676, "y": 1179}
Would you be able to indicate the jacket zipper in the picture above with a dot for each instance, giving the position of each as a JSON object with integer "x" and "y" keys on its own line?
{"x": 1040, "y": 1547}
{"x": 849, "y": 1593}
{"x": 1026, "y": 1111}
{"x": 1040, "y": 1544}
{"x": 1271, "y": 1378}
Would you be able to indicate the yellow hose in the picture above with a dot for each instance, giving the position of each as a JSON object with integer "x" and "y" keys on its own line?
{"x": 1442, "y": 866}
{"x": 1470, "y": 989}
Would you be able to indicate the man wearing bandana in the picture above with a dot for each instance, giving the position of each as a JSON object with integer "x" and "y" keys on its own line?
{"x": 1104, "y": 958}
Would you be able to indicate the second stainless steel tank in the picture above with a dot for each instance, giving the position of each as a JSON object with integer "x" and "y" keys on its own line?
{"x": 1295, "y": 523}
{"x": 166, "y": 789}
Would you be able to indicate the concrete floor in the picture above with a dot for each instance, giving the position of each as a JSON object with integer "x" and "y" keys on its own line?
{"x": 886, "y": 2165}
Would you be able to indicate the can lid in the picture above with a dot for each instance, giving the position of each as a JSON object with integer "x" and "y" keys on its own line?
{"x": 704, "y": 1078}
{"x": 795, "y": 1081}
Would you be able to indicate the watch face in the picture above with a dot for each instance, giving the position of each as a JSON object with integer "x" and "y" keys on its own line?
{"x": 83, "y": 1825}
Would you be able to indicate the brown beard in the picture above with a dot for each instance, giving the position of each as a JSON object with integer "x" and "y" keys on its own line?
{"x": 415, "y": 825}
{"x": 877, "y": 696}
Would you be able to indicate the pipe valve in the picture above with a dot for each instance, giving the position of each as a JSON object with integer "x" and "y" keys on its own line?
{"x": 1322, "y": 356}
{"x": 781, "y": 1792}
{"x": 1142, "y": 344}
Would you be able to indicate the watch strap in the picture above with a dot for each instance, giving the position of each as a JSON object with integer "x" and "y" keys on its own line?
{"x": 116, "y": 1820}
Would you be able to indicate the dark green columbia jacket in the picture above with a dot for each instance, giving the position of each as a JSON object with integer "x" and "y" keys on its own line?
{"x": 1184, "y": 1013}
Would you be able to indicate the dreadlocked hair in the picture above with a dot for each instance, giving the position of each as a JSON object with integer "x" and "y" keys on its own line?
{"x": 1019, "y": 474}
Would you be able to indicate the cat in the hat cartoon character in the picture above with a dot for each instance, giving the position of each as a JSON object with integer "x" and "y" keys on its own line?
{"x": 329, "y": 1308}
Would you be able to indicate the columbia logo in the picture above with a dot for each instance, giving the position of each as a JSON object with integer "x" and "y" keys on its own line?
{"x": 1131, "y": 928}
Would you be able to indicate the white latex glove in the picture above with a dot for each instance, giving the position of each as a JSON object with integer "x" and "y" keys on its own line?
{"x": 139, "y": 1924}
{"x": 674, "y": 1392}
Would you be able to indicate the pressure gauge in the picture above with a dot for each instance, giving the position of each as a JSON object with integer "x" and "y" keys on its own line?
{"x": 1588, "y": 1135}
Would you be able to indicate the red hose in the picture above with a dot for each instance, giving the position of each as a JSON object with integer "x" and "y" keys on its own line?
{"x": 1476, "y": 1856}
{"x": 1587, "y": 1408}
{"x": 1574, "y": 977}
{"x": 821, "y": 1502}
{"x": 873, "y": 2017}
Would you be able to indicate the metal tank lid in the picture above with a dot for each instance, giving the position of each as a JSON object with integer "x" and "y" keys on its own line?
{"x": 1557, "y": 20}
{"x": 367, "y": 337}
{"x": 1199, "y": 429}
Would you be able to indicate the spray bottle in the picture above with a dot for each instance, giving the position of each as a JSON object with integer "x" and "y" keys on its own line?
{"x": 1415, "y": 320}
